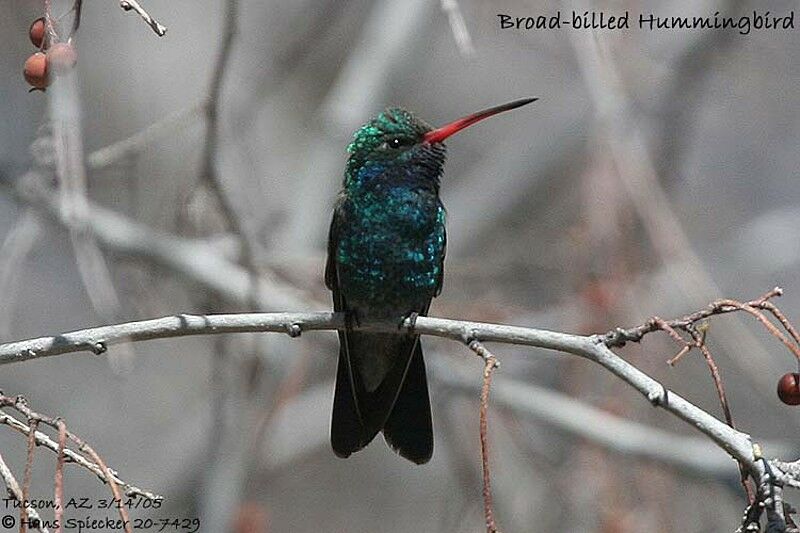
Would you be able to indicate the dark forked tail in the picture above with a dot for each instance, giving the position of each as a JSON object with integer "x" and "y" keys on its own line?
{"x": 399, "y": 406}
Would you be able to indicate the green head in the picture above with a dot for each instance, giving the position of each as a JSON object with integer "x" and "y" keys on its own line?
{"x": 398, "y": 146}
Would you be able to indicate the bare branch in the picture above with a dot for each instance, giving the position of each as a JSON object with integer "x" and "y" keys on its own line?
{"x": 65, "y": 114}
{"x": 123, "y": 512}
{"x": 129, "y": 146}
{"x": 490, "y": 364}
{"x": 694, "y": 456}
{"x": 794, "y": 348}
{"x": 34, "y": 418}
{"x": 58, "y": 497}
{"x": 26, "y": 476}
{"x": 52, "y": 36}
{"x": 210, "y": 172}
{"x": 619, "y": 337}
{"x": 128, "y": 5}
{"x": 594, "y": 348}
{"x": 18, "y": 244}
{"x": 197, "y": 260}
{"x": 73, "y": 457}
{"x": 459, "y": 27}
{"x": 14, "y": 490}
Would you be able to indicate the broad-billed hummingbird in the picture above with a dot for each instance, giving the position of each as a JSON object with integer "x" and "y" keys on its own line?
{"x": 386, "y": 261}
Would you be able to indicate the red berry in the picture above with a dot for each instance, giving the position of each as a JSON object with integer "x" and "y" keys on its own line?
{"x": 37, "y": 32}
{"x": 61, "y": 57}
{"x": 35, "y": 71}
{"x": 789, "y": 389}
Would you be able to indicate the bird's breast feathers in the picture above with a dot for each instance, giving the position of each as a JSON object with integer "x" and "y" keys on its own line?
{"x": 391, "y": 242}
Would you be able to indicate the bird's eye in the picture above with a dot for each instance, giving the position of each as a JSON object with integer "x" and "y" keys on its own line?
{"x": 393, "y": 143}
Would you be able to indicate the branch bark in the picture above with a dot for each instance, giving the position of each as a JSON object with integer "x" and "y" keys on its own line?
{"x": 737, "y": 444}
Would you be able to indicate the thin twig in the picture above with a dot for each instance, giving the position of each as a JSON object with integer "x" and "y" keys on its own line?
{"x": 49, "y": 27}
{"x": 619, "y": 337}
{"x": 16, "y": 247}
{"x": 490, "y": 363}
{"x": 15, "y": 492}
{"x": 71, "y": 456}
{"x": 672, "y": 361}
{"x": 699, "y": 342}
{"x": 76, "y": 18}
{"x": 123, "y": 512}
{"x": 459, "y": 27}
{"x": 127, "y": 5}
{"x": 118, "y": 151}
{"x": 778, "y": 314}
{"x": 210, "y": 173}
{"x": 660, "y": 323}
{"x": 58, "y": 497}
{"x": 26, "y": 477}
{"x": 20, "y": 404}
{"x": 723, "y": 400}
{"x": 197, "y": 260}
{"x": 717, "y": 378}
{"x": 698, "y": 338}
{"x": 794, "y": 348}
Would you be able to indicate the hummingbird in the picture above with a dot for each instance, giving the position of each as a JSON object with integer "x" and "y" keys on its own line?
{"x": 386, "y": 249}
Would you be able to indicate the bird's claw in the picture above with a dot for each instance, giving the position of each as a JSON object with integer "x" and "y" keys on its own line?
{"x": 411, "y": 318}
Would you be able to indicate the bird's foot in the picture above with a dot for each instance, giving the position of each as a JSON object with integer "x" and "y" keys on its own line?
{"x": 412, "y": 320}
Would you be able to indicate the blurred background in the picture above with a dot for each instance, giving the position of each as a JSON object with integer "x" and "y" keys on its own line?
{"x": 655, "y": 174}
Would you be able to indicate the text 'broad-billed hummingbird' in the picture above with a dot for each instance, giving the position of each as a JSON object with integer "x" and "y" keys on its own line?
{"x": 386, "y": 261}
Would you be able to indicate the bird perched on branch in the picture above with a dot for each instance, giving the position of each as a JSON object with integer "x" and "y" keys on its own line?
{"x": 386, "y": 261}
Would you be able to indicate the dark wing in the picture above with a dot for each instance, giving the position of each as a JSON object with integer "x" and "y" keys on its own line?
{"x": 347, "y": 431}
{"x": 331, "y": 278}
{"x": 346, "y": 424}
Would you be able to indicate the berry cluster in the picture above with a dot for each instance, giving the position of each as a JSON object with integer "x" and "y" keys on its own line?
{"x": 53, "y": 57}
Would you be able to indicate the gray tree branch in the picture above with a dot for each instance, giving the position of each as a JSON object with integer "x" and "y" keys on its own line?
{"x": 737, "y": 444}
